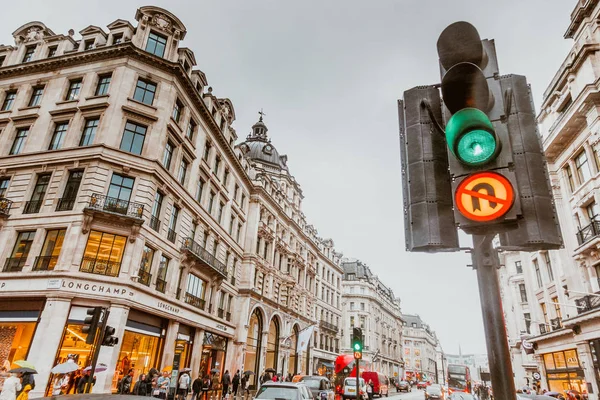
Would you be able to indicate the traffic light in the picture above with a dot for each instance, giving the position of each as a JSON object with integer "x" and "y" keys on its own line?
{"x": 90, "y": 324}
{"x": 109, "y": 339}
{"x": 357, "y": 342}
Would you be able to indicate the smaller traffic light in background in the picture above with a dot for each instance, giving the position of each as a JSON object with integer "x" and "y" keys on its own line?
{"x": 109, "y": 339}
{"x": 90, "y": 324}
{"x": 357, "y": 342}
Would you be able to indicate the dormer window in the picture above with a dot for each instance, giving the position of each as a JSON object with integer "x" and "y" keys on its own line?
{"x": 88, "y": 44}
{"x": 156, "y": 44}
{"x": 52, "y": 51}
{"x": 117, "y": 38}
{"x": 29, "y": 51}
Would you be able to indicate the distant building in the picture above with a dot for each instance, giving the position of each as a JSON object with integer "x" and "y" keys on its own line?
{"x": 420, "y": 349}
{"x": 369, "y": 304}
{"x": 475, "y": 362}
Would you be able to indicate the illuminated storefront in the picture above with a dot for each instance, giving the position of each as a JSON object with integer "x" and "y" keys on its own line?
{"x": 253, "y": 346}
{"x": 214, "y": 351}
{"x": 564, "y": 372}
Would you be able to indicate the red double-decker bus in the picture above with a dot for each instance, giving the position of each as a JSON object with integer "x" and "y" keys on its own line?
{"x": 344, "y": 367}
{"x": 459, "y": 379}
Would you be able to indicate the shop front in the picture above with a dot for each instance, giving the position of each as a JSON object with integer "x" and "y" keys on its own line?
{"x": 564, "y": 371}
{"x": 324, "y": 367}
{"x": 214, "y": 351}
{"x": 18, "y": 321}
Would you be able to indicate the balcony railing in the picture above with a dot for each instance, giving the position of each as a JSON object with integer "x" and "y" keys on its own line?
{"x": 144, "y": 277}
{"x": 14, "y": 264}
{"x": 588, "y": 232}
{"x": 195, "y": 301}
{"x": 544, "y": 329}
{"x": 220, "y": 312}
{"x": 205, "y": 257}
{"x": 65, "y": 204}
{"x": 5, "y": 205}
{"x": 329, "y": 326}
{"x": 556, "y": 324}
{"x": 161, "y": 285}
{"x": 155, "y": 223}
{"x": 171, "y": 235}
{"x": 101, "y": 266}
{"x": 32, "y": 207}
{"x": 45, "y": 263}
{"x": 587, "y": 303}
{"x": 117, "y": 206}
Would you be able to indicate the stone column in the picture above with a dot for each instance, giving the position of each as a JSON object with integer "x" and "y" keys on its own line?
{"x": 46, "y": 340}
{"x": 585, "y": 360}
{"x": 110, "y": 355}
{"x": 169, "y": 345}
{"x": 197, "y": 352}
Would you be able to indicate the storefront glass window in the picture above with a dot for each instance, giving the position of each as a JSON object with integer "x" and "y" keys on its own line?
{"x": 273, "y": 344}
{"x": 292, "y": 364}
{"x": 572, "y": 360}
{"x": 214, "y": 351}
{"x": 559, "y": 360}
{"x": 549, "y": 361}
{"x": 564, "y": 372}
{"x": 138, "y": 352}
{"x": 253, "y": 348}
{"x": 15, "y": 338}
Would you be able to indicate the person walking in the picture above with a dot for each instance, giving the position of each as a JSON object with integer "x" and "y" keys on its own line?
{"x": 235, "y": 383}
{"x": 12, "y": 385}
{"x": 184, "y": 385}
{"x": 225, "y": 382}
{"x": 196, "y": 388}
{"x": 126, "y": 383}
{"x": 27, "y": 385}
{"x": 205, "y": 387}
{"x": 162, "y": 385}
{"x": 245, "y": 380}
{"x": 140, "y": 388}
{"x": 370, "y": 389}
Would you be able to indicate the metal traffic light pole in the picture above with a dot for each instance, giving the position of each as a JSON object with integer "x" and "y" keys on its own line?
{"x": 99, "y": 340}
{"x": 486, "y": 262}
{"x": 357, "y": 361}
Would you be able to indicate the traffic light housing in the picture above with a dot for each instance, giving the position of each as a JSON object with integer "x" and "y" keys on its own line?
{"x": 357, "y": 342}
{"x": 109, "y": 339}
{"x": 90, "y": 324}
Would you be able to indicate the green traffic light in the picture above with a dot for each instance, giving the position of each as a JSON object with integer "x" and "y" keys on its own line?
{"x": 357, "y": 346}
{"x": 471, "y": 137}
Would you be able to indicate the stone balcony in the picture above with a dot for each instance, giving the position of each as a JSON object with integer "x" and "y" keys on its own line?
{"x": 117, "y": 211}
{"x": 200, "y": 257}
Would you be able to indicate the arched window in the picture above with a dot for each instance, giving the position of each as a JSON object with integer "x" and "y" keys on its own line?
{"x": 253, "y": 345}
{"x": 293, "y": 364}
{"x": 273, "y": 344}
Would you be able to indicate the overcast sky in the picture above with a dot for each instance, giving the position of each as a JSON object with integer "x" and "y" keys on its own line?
{"x": 328, "y": 74}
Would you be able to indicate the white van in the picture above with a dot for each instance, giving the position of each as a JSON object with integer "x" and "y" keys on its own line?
{"x": 350, "y": 389}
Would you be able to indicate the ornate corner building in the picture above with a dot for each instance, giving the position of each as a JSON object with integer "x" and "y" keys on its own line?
{"x": 421, "y": 350}
{"x": 552, "y": 298}
{"x": 121, "y": 186}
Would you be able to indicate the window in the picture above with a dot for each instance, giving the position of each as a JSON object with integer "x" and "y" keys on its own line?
{"x": 4, "y": 187}
{"x": 103, "y": 84}
{"x": 236, "y": 191}
{"x": 225, "y": 176}
{"x": 89, "y": 131}
{"x": 117, "y": 38}
{"x": 133, "y": 138}
{"x": 36, "y": 96}
{"x": 527, "y": 318}
{"x": 217, "y": 165}
{"x": 183, "y": 166}
{"x": 103, "y": 254}
{"x": 29, "y": 52}
{"x": 48, "y": 257}
{"x": 592, "y": 210}
{"x": 173, "y": 224}
{"x": 557, "y": 308}
{"x": 144, "y": 91}
{"x": 18, "y": 257}
{"x": 239, "y": 232}
{"x": 231, "y": 223}
{"x": 195, "y": 286}
{"x": 583, "y": 168}
{"x": 549, "y": 266}
{"x": 88, "y": 44}
{"x": 177, "y": 110}
{"x": 19, "y": 141}
{"x": 243, "y": 200}
{"x": 200, "y": 189}
{"x": 58, "y": 136}
{"x": 538, "y": 274}
{"x": 161, "y": 275}
{"x": 544, "y": 312}
{"x": 570, "y": 179}
{"x": 596, "y": 152}
{"x": 52, "y": 51}
{"x": 168, "y": 155}
{"x": 74, "y": 89}
{"x": 351, "y": 306}
{"x": 2, "y": 59}
{"x": 191, "y": 129}
{"x": 220, "y": 213}
{"x": 144, "y": 275}
{"x": 120, "y": 187}
{"x": 523, "y": 292}
{"x": 211, "y": 200}
{"x": 37, "y": 196}
{"x": 362, "y": 306}
{"x": 9, "y": 100}
{"x": 206, "y": 154}
{"x": 67, "y": 201}
{"x": 156, "y": 208}
{"x": 519, "y": 267}
{"x": 156, "y": 44}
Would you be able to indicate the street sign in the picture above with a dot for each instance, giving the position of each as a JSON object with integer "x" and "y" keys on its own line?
{"x": 537, "y": 376}
{"x": 357, "y": 355}
{"x": 484, "y": 196}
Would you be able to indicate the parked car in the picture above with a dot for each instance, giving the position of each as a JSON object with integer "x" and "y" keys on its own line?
{"x": 381, "y": 383}
{"x": 350, "y": 389}
{"x": 462, "y": 396}
{"x": 284, "y": 390}
{"x": 422, "y": 385}
{"x": 433, "y": 392}
{"x": 403, "y": 386}
{"x": 319, "y": 386}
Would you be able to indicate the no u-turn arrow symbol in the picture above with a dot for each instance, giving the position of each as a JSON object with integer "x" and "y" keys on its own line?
{"x": 484, "y": 196}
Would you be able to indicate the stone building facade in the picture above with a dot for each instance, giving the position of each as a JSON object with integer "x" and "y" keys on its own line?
{"x": 551, "y": 298}
{"x": 122, "y": 187}
{"x": 421, "y": 349}
{"x": 369, "y": 304}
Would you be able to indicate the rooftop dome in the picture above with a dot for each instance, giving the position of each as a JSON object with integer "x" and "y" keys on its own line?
{"x": 258, "y": 146}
